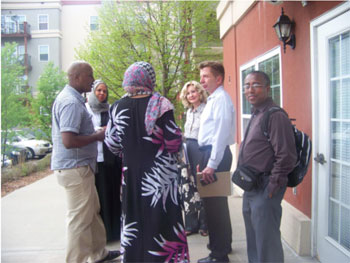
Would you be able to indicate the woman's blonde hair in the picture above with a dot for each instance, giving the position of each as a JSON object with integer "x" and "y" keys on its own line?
{"x": 203, "y": 94}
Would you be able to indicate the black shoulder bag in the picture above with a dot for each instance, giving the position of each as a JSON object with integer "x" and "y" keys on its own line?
{"x": 244, "y": 176}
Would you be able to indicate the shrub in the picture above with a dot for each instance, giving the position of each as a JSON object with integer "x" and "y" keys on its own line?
{"x": 25, "y": 169}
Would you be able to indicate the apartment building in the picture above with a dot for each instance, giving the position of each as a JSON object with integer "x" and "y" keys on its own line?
{"x": 36, "y": 28}
{"x": 46, "y": 30}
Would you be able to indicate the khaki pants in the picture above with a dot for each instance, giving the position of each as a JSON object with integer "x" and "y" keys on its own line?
{"x": 85, "y": 230}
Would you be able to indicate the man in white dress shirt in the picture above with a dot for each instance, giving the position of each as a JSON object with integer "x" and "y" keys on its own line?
{"x": 216, "y": 133}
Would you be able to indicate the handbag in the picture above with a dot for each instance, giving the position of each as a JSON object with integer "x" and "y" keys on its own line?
{"x": 189, "y": 196}
{"x": 245, "y": 177}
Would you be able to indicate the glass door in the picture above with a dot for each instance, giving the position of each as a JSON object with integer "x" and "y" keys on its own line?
{"x": 332, "y": 166}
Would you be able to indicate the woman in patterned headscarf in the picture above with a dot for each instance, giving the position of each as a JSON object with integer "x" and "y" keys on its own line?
{"x": 108, "y": 174}
{"x": 142, "y": 130}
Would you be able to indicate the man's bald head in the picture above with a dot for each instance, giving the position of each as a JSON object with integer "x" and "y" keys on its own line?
{"x": 76, "y": 68}
{"x": 80, "y": 76}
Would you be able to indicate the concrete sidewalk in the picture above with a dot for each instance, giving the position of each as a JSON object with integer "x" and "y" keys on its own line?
{"x": 33, "y": 227}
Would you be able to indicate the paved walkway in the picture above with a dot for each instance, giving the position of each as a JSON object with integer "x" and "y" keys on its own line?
{"x": 33, "y": 227}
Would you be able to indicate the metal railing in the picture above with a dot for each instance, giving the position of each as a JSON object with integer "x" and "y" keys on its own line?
{"x": 12, "y": 29}
{"x": 25, "y": 58}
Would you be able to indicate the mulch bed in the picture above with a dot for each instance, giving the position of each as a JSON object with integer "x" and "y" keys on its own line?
{"x": 11, "y": 186}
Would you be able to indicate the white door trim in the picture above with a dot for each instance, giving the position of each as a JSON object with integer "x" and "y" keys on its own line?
{"x": 342, "y": 8}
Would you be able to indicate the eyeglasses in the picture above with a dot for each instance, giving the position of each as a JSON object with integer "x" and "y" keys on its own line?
{"x": 254, "y": 86}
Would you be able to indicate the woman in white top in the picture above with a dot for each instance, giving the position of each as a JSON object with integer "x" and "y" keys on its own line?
{"x": 108, "y": 174}
{"x": 194, "y": 98}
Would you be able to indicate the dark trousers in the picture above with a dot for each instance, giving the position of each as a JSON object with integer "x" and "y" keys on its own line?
{"x": 108, "y": 181}
{"x": 262, "y": 218}
{"x": 194, "y": 221}
{"x": 217, "y": 211}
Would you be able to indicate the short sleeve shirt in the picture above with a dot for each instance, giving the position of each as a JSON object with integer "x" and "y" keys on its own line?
{"x": 69, "y": 114}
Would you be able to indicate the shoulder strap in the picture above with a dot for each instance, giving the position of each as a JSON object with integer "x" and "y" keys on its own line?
{"x": 264, "y": 123}
{"x": 244, "y": 140}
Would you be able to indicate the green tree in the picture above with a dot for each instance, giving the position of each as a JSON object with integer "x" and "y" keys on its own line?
{"x": 162, "y": 33}
{"x": 50, "y": 83}
{"x": 14, "y": 112}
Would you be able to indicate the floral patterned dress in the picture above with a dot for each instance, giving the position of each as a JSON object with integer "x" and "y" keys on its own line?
{"x": 152, "y": 224}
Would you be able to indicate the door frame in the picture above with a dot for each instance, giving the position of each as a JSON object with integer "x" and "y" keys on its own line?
{"x": 314, "y": 24}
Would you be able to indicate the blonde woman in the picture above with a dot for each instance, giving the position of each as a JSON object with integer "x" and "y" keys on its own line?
{"x": 194, "y": 98}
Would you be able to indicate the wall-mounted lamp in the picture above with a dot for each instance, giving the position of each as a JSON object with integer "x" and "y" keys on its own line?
{"x": 283, "y": 28}
{"x": 304, "y": 3}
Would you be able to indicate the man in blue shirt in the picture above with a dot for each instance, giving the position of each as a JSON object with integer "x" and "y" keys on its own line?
{"x": 216, "y": 133}
{"x": 73, "y": 161}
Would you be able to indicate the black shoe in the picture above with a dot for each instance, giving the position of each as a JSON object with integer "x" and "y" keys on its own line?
{"x": 210, "y": 259}
{"x": 229, "y": 252}
{"x": 112, "y": 254}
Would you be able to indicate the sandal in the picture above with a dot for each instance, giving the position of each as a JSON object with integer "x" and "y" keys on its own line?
{"x": 203, "y": 233}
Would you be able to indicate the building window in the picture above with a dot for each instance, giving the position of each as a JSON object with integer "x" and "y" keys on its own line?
{"x": 21, "y": 20}
{"x": 93, "y": 23}
{"x": 43, "y": 53}
{"x": 43, "y": 111}
{"x": 20, "y": 89}
{"x": 20, "y": 50}
{"x": 270, "y": 64}
{"x": 2, "y": 24}
{"x": 43, "y": 22}
{"x": 20, "y": 54}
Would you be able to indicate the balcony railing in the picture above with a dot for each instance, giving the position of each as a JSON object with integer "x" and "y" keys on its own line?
{"x": 25, "y": 60}
{"x": 13, "y": 30}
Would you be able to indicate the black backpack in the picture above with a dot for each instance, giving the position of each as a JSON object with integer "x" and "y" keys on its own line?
{"x": 302, "y": 144}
